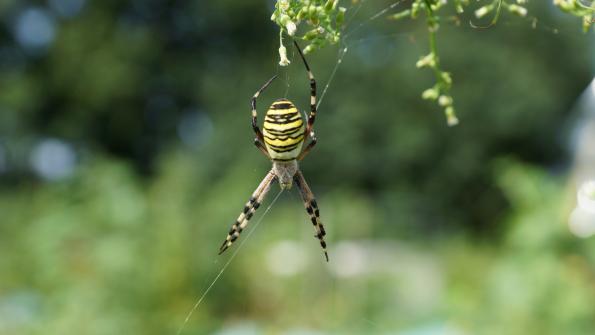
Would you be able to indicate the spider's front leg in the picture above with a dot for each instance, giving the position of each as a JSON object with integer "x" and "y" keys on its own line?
{"x": 313, "y": 107}
{"x": 249, "y": 210}
{"x": 259, "y": 140}
{"x": 309, "y": 147}
{"x": 311, "y": 208}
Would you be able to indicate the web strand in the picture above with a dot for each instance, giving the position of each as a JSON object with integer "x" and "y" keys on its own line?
{"x": 345, "y": 45}
{"x": 373, "y": 17}
{"x": 208, "y": 289}
{"x": 347, "y": 42}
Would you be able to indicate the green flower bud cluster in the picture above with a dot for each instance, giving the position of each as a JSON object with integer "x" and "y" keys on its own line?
{"x": 580, "y": 8}
{"x": 495, "y": 6}
{"x": 440, "y": 92}
{"x": 323, "y": 20}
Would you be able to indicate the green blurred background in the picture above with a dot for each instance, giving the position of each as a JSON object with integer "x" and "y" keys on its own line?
{"x": 126, "y": 154}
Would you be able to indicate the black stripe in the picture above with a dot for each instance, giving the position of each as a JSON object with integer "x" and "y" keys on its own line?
{"x": 285, "y": 121}
{"x": 280, "y": 116}
{"x": 282, "y": 147}
{"x": 282, "y": 151}
{"x": 279, "y": 148}
{"x": 288, "y": 131}
{"x": 286, "y": 105}
{"x": 283, "y": 138}
{"x": 283, "y": 159}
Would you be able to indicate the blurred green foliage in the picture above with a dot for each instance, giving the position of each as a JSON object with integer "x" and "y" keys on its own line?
{"x": 433, "y": 230}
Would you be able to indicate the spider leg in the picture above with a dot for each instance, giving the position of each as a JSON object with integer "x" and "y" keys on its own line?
{"x": 253, "y": 105}
{"x": 311, "y": 208}
{"x": 261, "y": 147}
{"x": 249, "y": 209}
{"x": 312, "y": 116}
{"x": 308, "y": 147}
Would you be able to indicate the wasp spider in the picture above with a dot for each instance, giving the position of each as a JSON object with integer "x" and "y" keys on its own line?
{"x": 281, "y": 141}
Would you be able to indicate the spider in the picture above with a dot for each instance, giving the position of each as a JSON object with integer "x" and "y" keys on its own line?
{"x": 281, "y": 141}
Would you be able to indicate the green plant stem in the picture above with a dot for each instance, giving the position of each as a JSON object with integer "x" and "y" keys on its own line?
{"x": 431, "y": 21}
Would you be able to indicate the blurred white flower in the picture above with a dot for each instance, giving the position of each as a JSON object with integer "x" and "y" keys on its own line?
{"x": 286, "y": 258}
{"x": 586, "y": 196}
{"x": 582, "y": 219}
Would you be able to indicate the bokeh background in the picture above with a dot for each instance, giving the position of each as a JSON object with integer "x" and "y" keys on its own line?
{"x": 126, "y": 154}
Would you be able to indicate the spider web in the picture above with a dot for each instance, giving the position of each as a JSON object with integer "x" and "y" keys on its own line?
{"x": 348, "y": 40}
{"x": 353, "y": 24}
{"x": 224, "y": 267}
{"x": 344, "y": 47}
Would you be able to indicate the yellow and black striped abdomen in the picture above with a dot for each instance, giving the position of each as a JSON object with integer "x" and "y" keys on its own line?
{"x": 283, "y": 130}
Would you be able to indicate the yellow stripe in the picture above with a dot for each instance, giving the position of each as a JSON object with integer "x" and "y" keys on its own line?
{"x": 284, "y": 143}
{"x": 281, "y": 127}
{"x": 282, "y": 111}
{"x": 273, "y": 137}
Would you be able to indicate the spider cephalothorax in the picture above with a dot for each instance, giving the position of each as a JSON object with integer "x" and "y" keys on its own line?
{"x": 281, "y": 140}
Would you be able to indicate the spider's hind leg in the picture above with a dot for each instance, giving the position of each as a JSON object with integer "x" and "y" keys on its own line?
{"x": 312, "y": 209}
{"x": 249, "y": 210}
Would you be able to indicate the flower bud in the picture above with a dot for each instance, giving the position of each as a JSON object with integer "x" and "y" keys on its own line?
{"x": 283, "y": 5}
{"x": 518, "y": 10}
{"x": 283, "y": 55}
{"x": 451, "y": 118}
{"x": 446, "y": 78}
{"x": 291, "y": 28}
{"x": 341, "y": 16}
{"x": 430, "y": 94}
{"x": 481, "y": 12}
{"x": 400, "y": 15}
{"x": 445, "y": 100}
{"x": 427, "y": 60}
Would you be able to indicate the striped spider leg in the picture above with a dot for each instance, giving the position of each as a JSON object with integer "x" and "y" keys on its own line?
{"x": 309, "y": 133}
{"x": 311, "y": 208}
{"x": 259, "y": 139}
{"x": 284, "y": 132}
{"x": 249, "y": 209}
